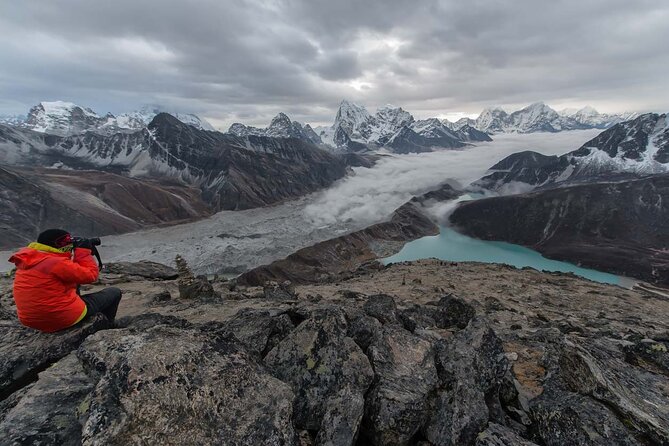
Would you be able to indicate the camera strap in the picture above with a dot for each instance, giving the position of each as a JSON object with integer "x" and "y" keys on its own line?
{"x": 95, "y": 252}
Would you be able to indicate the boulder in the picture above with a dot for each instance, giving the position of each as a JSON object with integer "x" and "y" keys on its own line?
{"x": 172, "y": 386}
{"x": 160, "y": 296}
{"x": 453, "y": 312}
{"x": 25, "y": 352}
{"x": 279, "y": 291}
{"x": 259, "y": 330}
{"x": 382, "y": 307}
{"x": 596, "y": 367}
{"x": 364, "y": 330}
{"x": 449, "y": 312}
{"x": 48, "y": 411}
{"x": 563, "y": 418}
{"x": 145, "y": 269}
{"x": 497, "y": 435}
{"x": 471, "y": 368}
{"x": 406, "y": 375}
{"x": 329, "y": 374}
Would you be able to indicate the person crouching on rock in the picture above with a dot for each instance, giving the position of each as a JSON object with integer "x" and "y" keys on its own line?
{"x": 48, "y": 273}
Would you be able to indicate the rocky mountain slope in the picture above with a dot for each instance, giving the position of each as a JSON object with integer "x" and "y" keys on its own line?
{"x": 88, "y": 203}
{"x": 620, "y": 227}
{"x": 65, "y": 118}
{"x": 629, "y": 149}
{"x": 539, "y": 117}
{"x": 425, "y": 353}
{"x": 231, "y": 172}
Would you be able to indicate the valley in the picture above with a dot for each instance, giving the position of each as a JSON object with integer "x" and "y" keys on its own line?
{"x": 259, "y": 236}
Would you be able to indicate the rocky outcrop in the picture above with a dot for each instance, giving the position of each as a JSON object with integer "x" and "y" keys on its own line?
{"x": 155, "y": 391}
{"x": 618, "y": 227}
{"x": 509, "y": 357}
{"x": 26, "y": 352}
{"x": 346, "y": 253}
{"x": 47, "y": 413}
{"x": 329, "y": 374}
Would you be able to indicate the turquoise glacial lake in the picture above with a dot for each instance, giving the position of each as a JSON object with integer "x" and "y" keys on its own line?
{"x": 453, "y": 246}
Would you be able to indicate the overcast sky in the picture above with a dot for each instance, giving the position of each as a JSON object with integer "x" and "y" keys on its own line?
{"x": 247, "y": 60}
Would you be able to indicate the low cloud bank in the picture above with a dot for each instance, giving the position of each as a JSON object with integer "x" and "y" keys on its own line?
{"x": 372, "y": 194}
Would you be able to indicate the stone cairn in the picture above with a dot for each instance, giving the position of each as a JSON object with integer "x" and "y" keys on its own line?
{"x": 191, "y": 286}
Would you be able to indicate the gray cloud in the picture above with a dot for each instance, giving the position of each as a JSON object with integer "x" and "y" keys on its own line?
{"x": 247, "y": 60}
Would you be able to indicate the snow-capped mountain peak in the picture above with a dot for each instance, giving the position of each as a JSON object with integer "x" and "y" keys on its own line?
{"x": 491, "y": 120}
{"x": 62, "y": 118}
{"x": 62, "y": 108}
{"x": 535, "y": 117}
{"x": 281, "y": 121}
{"x": 350, "y": 117}
{"x": 393, "y": 116}
{"x": 67, "y": 118}
{"x": 281, "y": 126}
{"x": 539, "y": 117}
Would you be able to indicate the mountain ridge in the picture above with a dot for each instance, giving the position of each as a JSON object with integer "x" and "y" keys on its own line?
{"x": 631, "y": 148}
{"x": 67, "y": 118}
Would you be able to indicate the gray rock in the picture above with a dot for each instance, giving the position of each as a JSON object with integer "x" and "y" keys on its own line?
{"x": 25, "y": 352}
{"x": 649, "y": 354}
{"x": 259, "y": 330}
{"x": 279, "y": 291}
{"x": 418, "y": 316}
{"x": 471, "y": 368}
{"x": 381, "y": 307}
{"x": 406, "y": 375}
{"x": 48, "y": 411}
{"x": 596, "y": 367}
{"x": 497, "y": 435}
{"x": 145, "y": 268}
{"x": 12, "y": 400}
{"x": 160, "y": 296}
{"x": 328, "y": 371}
{"x": 569, "y": 419}
{"x": 364, "y": 330}
{"x": 169, "y": 385}
{"x": 342, "y": 418}
{"x": 447, "y": 313}
{"x": 453, "y": 312}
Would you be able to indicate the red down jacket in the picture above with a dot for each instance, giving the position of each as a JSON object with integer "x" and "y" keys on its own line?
{"x": 45, "y": 286}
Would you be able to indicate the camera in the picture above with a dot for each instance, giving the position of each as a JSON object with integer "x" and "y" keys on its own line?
{"x": 87, "y": 242}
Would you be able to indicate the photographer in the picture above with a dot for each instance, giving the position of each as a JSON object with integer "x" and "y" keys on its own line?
{"x": 48, "y": 273}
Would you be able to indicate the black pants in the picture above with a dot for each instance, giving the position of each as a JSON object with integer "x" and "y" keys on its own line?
{"x": 105, "y": 302}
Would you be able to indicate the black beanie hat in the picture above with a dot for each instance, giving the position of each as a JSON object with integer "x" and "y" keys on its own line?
{"x": 50, "y": 236}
